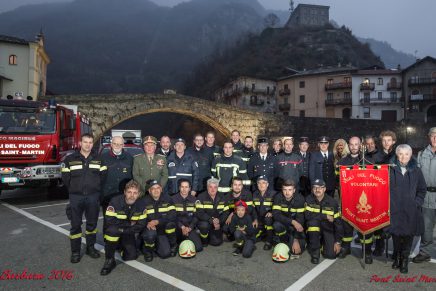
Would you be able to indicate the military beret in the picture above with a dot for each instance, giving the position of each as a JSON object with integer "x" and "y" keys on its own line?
{"x": 148, "y": 139}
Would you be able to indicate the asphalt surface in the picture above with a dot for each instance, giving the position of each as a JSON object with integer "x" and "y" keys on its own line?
{"x": 34, "y": 239}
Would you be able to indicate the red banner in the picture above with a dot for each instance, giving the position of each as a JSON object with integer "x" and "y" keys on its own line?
{"x": 365, "y": 197}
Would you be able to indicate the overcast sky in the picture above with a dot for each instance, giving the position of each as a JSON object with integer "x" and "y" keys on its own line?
{"x": 407, "y": 25}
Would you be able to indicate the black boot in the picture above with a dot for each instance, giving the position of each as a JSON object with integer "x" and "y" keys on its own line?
{"x": 314, "y": 256}
{"x": 173, "y": 251}
{"x": 345, "y": 251}
{"x": 109, "y": 265}
{"x": 368, "y": 259}
{"x": 92, "y": 252}
{"x": 75, "y": 257}
{"x": 404, "y": 266}
{"x": 379, "y": 248}
{"x": 397, "y": 261}
{"x": 267, "y": 246}
{"x": 148, "y": 256}
{"x": 237, "y": 251}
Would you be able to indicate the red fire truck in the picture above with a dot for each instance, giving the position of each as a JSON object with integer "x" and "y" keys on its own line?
{"x": 35, "y": 137}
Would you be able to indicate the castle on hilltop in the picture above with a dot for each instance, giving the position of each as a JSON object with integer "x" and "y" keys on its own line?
{"x": 309, "y": 15}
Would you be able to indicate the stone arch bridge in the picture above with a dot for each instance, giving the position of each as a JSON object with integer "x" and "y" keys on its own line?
{"x": 108, "y": 110}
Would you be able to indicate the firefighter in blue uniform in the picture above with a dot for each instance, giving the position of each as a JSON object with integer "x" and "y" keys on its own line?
{"x": 323, "y": 223}
{"x": 160, "y": 232}
{"x": 212, "y": 211}
{"x": 125, "y": 217}
{"x": 186, "y": 222}
{"x": 228, "y": 166}
{"x": 288, "y": 213}
{"x": 83, "y": 174}
{"x": 263, "y": 199}
{"x": 238, "y": 193}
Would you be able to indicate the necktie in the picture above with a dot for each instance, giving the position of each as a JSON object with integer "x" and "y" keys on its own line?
{"x": 325, "y": 158}
{"x": 263, "y": 158}
{"x": 150, "y": 159}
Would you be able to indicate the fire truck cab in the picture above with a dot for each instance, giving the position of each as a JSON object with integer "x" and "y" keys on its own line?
{"x": 35, "y": 137}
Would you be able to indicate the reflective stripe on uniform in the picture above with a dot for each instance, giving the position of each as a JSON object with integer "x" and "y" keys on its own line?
{"x": 277, "y": 207}
{"x": 269, "y": 227}
{"x": 183, "y": 174}
{"x": 111, "y": 238}
{"x": 298, "y": 210}
{"x": 337, "y": 214}
{"x": 113, "y": 214}
{"x": 103, "y": 168}
{"x": 75, "y": 236}
{"x": 92, "y": 232}
{"x": 172, "y": 177}
{"x": 65, "y": 170}
{"x": 171, "y": 230}
{"x": 204, "y": 235}
{"x": 311, "y": 209}
{"x": 347, "y": 238}
{"x": 366, "y": 241}
{"x": 93, "y": 166}
{"x": 281, "y": 233}
{"x": 140, "y": 217}
{"x": 76, "y": 167}
{"x": 313, "y": 228}
{"x": 224, "y": 189}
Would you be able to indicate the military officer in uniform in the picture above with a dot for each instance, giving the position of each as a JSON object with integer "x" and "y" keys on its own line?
{"x": 150, "y": 166}
{"x": 321, "y": 166}
{"x": 261, "y": 164}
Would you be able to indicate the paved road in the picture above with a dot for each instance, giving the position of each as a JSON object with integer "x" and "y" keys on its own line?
{"x": 34, "y": 238}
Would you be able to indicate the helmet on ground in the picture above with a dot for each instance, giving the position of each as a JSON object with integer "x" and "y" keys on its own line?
{"x": 187, "y": 249}
{"x": 281, "y": 253}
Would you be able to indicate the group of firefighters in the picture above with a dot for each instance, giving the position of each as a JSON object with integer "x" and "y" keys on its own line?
{"x": 173, "y": 200}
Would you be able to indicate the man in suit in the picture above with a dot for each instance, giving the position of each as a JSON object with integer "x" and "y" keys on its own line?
{"x": 165, "y": 146}
{"x": 321, "y": 166}
{"x": 150, "y": 166}
{"x": 303, "y": 146}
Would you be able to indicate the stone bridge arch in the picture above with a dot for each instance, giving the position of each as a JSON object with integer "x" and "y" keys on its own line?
{"x": 108, "y": 110}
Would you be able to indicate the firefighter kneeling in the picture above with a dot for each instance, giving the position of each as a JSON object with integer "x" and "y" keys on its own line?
{"x": 125, "y": 216}
{"x": 323, "y": 224}
{"x": 160, "y": 232}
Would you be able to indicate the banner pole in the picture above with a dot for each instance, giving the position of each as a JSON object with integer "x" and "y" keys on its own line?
{"x": 387, "y": 248}
{"x": 363, "y": 251}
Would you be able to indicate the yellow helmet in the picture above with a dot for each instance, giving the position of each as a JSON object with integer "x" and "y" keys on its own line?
{"x": 281, "y": 253}
{"x": 187, "y": 249}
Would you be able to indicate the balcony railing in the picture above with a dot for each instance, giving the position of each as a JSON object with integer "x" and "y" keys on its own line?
{"x": 333, "y": 102}
{"x": 335, "y": 86}
{"x": 395, "y": 86}
{"x": 284, "y": 92}
{"x": 285, "y": 107}
{"x": 421, "y": 81}
{"x": 367, "y": 86}
{"x": 422, "y": 97}
{"x": 389, "y": 100}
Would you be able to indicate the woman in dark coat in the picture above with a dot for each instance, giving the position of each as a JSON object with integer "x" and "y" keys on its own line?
{"x": 408, "y": 189}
